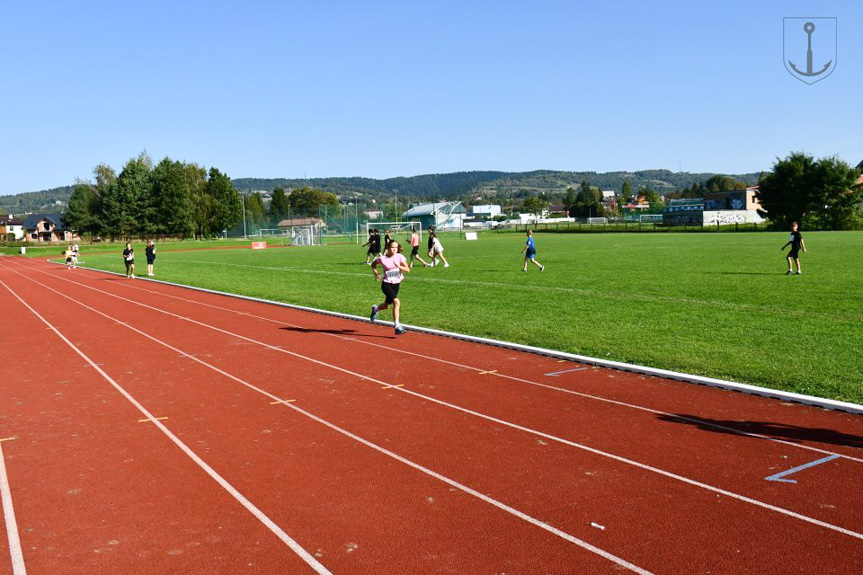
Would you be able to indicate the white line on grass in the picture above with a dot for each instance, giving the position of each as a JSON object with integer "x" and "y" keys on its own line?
{"x": 627, "y": 297}
{"x": 260, "y": 515}
{"x": 391, "y": 349}
{"x": 528, "y": 430}
{"x": 15, "y": 551}
{"x": 500, "y": 505}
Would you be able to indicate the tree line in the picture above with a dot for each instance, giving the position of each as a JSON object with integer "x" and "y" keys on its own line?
{"x": 171, "y": 198}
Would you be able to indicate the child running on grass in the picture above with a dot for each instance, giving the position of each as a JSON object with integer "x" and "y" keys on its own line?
{"x": 796, "y": 241}
{"x": 436, "y": 250}
{"x": 394, "y": 263}
{"x": 415, "y": 249}
{"x": 529, "y": 251}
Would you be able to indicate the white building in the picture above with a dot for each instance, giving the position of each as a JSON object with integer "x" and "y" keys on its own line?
{"x": 485, "y": 211}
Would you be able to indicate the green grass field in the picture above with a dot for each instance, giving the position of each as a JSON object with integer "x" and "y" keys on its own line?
{"x": 713, "y": 304}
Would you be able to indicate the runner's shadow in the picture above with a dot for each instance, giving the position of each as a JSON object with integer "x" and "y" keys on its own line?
{"x": 351, "y": 332}
{"x": 793, "y": 433}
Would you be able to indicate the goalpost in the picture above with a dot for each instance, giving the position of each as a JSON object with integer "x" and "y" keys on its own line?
{"x": 398, "y": 230}
{"x": 298, "y": 235}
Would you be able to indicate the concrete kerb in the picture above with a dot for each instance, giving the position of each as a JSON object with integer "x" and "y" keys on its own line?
{"x": 832, "y": 404}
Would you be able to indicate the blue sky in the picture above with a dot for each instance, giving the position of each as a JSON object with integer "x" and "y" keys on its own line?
{"x": 384, "y": 89}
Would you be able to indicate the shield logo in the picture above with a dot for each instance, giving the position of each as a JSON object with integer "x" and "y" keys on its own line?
{"x": 809, "y": 47}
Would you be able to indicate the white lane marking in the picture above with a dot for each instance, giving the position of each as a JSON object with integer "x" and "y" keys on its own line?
{"x": 779, "y": 476}
{"x": 418, "y": 467}
{"x": 556, "y": 373}
{"x": 260, "y": 515}
{"x": 511, "y": 425}
{"x": 519, "y": 379}
{"x": 15, "y": 551}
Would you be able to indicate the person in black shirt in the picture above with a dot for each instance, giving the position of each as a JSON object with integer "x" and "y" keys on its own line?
{"x": 150, "y": 252}
{"x": 129, "y": 260}
{"x": 796, "y": 242}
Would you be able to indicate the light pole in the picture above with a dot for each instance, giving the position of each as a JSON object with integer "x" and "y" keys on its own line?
{"x": 244, "y": 215}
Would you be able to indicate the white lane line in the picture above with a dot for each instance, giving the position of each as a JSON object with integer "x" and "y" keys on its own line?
{"x": 260, "y": 515}
{"x": 500, "y": 505}
{"x": 556, "y": 373}
{"x": 779, "y": 476}
{"x": 694, "y": 420}
{"x": 511, "y": 425}
{"x": 15, "y": 551}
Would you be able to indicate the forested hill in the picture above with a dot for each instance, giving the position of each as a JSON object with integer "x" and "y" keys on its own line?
{"x": 456, "y": 185}
{"x": 492, "y": 183}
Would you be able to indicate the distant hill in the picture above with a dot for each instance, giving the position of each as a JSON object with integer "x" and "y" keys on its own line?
{"x": 457, "y": 185}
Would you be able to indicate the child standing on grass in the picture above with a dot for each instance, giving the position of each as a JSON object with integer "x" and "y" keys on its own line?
{"x": 529, "y": 251}
{"x": 150, "y": 252}
{"x": 129, "y": 260}
{"x": 796, "y": 241}
{"x": 394, "y": 263}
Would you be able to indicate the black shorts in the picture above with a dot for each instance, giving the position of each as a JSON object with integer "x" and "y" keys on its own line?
{"x": 794, "y": 254}
{"x": 415, "y": 251}
{"x": 391, "y": 291}
{"x": 129, "y": 263}
{"x": 151, "y": 261}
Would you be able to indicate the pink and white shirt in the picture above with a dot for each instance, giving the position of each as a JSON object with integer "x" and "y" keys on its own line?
{"x": 392, "y": 273}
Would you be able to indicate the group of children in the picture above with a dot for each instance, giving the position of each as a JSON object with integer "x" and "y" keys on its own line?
{"x": 435, "y": 247}
{"x": 71, "y": 253}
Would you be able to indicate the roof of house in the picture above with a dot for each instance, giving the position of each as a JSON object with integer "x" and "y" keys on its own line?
{"x": 431, "y": 209}
{"x": 10, "y": 221}
{"x": 33, "y": 219}
{"x": 298, "y": 222}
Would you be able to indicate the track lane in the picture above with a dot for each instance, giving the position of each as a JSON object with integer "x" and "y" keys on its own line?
{"x": 98, "y": 492}
{"x": 406, "y": 510}
{"x": 682, "y": 451}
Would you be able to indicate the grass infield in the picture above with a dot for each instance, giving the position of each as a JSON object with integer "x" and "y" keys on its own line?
{"x": 716, "y": 305}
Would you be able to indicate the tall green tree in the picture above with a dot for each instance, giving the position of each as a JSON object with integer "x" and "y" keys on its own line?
{"x": 812, "y": 192}
{"x": 280, "y": 208}
{"x": 307, "y": 201}
{"x": 626, "y": 192}
{"x": 255, "y": 211}
{"x": 83, "y": 212}
{"x": 172, "y": 200}
{"x": 127, "y": 204}
{"x": 227, "y": 209}
{"x": 535, "y": 205}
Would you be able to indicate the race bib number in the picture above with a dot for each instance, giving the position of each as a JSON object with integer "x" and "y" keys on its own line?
{"x": 393, "y": 275}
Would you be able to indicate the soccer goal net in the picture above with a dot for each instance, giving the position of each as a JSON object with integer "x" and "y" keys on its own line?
{"x": 397, "y": 230}
{"x": 305, "y": 236}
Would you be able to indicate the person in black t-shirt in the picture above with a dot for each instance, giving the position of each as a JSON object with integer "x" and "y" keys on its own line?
{"x": 150, "y": 252}
{"x": 796, "y": 242}
{"x": 129, "y": 260}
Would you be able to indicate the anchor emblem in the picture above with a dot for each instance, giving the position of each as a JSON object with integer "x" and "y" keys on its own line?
{"x": 809, "y": 27}
{"x": 792, "y": 45}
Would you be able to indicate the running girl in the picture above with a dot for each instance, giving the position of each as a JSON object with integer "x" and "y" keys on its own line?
{"x": 529, "y": 251}
{"x": 436, "y": 250}
{"x": 393, "y": 263}
{"x": 415, "y": 249}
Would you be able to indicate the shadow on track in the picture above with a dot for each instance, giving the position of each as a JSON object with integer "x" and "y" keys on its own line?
{"x": 784, "y": 431}
{"x": 351, "y": 332}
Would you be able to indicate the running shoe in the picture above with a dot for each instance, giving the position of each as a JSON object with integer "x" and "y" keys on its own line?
{"x": 374, "y": 314}
{"x": 400, "y": 330}
{"x": 446, "y": 265}
{"x": 542, "y": 268}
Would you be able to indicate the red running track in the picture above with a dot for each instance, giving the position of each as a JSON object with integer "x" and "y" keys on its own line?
{"x": 148, "y": 428}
